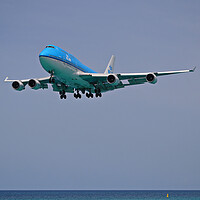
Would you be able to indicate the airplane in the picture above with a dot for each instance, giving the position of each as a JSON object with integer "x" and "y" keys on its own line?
{"x": 69, "y": 75}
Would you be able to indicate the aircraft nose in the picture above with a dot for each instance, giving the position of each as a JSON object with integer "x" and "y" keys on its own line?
{"x": 43, "y": 53}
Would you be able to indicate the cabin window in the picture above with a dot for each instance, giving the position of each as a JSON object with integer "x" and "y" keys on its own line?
{"x": 50, "y": 47}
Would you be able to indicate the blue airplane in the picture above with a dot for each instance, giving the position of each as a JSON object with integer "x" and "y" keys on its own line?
{"x": 69, "y": 75}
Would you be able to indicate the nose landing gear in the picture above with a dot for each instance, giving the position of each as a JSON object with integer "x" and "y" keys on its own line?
{"x": 51, "y": 79}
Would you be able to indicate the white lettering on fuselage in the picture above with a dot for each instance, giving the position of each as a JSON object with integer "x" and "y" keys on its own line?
{"x": 68, "y": 58}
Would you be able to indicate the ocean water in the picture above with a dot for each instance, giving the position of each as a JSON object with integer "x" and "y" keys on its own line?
{"x": 99, "y": 195}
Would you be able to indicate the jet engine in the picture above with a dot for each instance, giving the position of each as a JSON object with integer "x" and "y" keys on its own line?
{"x": 18, "y": 85}
{"x": 34, "y": 84}
{"x": 151, "y": 78}
{"x": 113, "y": 79}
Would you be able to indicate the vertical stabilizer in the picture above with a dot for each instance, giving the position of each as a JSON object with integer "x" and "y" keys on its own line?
{"x": 110, "y": 67}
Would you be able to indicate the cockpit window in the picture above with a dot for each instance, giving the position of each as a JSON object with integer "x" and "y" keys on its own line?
{"x": 50, "y": 47}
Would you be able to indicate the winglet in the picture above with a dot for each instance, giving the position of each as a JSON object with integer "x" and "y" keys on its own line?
{"x": 7, "y": 80}
{"x": 192, "y": 70}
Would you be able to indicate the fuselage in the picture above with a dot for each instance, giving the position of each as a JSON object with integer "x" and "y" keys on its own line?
{"x": 64, "y": 66}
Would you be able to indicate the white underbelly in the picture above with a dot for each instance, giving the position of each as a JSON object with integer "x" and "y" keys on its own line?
{"x": 66, "y": 73}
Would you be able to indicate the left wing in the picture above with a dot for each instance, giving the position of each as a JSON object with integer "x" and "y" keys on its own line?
{"x": 33, "y": 83}
{"x": 41, "y": 83}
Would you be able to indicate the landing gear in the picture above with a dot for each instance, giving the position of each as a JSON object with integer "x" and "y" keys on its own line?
{"x": 51, "y": 79}
{"x": 89, "y": 95}
{"x": 62, "y": 94}
{"x": 77, "y": 95}
{"x": 98, "y": 92}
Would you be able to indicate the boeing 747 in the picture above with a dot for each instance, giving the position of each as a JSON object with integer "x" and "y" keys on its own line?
{"x": 69, "y": 75}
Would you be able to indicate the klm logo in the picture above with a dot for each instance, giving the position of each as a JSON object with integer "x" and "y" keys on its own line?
{"x": 68, "y": 58}
{"x": 110, "y": 70}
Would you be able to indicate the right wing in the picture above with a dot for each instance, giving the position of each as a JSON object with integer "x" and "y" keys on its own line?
{"x": 125, "y": 79}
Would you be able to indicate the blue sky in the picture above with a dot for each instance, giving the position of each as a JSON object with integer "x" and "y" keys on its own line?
{"x": 141, "y": 137}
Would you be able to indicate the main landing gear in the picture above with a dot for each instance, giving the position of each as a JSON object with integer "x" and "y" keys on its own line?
{"x": 62, "y": 94}
{"x": 77, "y": 95}
{"x": 98, "y": 92}
{"x": 89, "y": 95}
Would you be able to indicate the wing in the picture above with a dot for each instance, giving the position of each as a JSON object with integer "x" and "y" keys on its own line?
{"x": 125, "y": 79}
{"x": 33, "y": 83}
{"x": 25, "y": 81}
{"x": 40, "y": 83}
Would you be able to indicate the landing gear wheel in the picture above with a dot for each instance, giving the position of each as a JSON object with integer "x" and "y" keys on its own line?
{"x": 77, "y": 95}
{"x": 62, "y": 94}
{"x": 98, "y": 92}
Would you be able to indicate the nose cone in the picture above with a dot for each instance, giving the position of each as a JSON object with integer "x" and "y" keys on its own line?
{"x": 44, "y": 53}
{"x": 49, "y": 51}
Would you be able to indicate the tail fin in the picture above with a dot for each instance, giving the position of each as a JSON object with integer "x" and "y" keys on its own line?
{"x": 110, "y": 67}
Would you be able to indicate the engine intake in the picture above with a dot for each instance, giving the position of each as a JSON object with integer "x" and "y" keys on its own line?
{"x": 34, "y": 84}
{"x": 151, "y": 78}
{"x": 113, "y": 79}
{"x": 18, "y": 85}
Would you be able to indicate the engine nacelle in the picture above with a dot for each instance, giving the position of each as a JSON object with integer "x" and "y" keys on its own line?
{"x": 18, "y": 85}
{"x": 113, "y": 79}
{"x": 34, "y": 84}
{"x": 151, "y": 78}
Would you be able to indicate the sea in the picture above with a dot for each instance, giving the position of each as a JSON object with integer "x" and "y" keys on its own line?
{"x": 98, "y": 195}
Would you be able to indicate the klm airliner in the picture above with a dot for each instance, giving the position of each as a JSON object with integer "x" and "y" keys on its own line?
{"x": 69, "y": 75}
